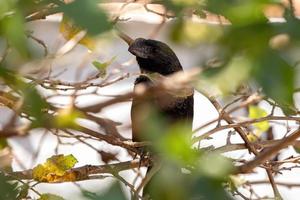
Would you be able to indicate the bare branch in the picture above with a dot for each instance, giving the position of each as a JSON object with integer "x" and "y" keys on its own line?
{"x": 262, "y": 157}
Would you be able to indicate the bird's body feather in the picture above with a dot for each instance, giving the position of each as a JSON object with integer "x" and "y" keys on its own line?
{"x": 155, "y": 57}
{"x": 172, "y": 108}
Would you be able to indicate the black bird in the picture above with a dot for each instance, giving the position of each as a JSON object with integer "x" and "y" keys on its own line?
{"x": 155, "y": 57}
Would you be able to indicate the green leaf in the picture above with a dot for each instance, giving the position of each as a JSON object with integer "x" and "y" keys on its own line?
{"x": 239, "y": 12}
{"x": 178, "y": 5}
{"x": 296, "y": 149}
{"x": 12, "y": 26}
{"x": 66, "y": 118}
{"x": 91, "y": 17}
{"x": 175, "y": 145}
{"x": 8, "y": 191}
{"x": 34, "y": 105}
{"x": 192, "y": 33}
{"x": 102, "y": 67}
{"x": 215, "y": 166}
{"x": 277, "y": 78}
{"x": 168, "y": 176}
{"x": 207, "y": 188}
{"x": 226, "y": 79}
{"x": 170, "y": 183}
{"x": 3, "y": 143}
{"x": 56, "y": 165}
{"x": 49, "y": 196}
{"x": 30, "y": 6}
{"x": 23, "y": 192}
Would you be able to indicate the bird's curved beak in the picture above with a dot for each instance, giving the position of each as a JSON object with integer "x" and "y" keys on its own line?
{"x": 136, "y": 47}
{"x": 125, "y": 37}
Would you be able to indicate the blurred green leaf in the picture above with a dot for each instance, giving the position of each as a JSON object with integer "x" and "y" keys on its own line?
{"x": 207, "y": 188}
{"x": 189, "y": 185}
{"x": 192, "y": 33}
{"x": 215, "y": 165}
{"x": 102, "y": 67}
{"x": 114, "y": 193}
{"x": 297, "y": 149}
{"x": 23, "y": 192}
{"x": 175, "y": 145}
{"x": 8, "y": 191}
{"x": 239, "y": 12}
{"x": 277, "y": 78}
{"x": 49, "y": 196}
{"x": 3, "y": 143}
{"x": 290, "y": 27}
{"x": 91, "y": 17}
{"x": 234, "y": 42}
{"x": 171, "y": 178}
{"x": 33, "y": 103}
{"x": 66, "y": 117}
{"x": 12, "y": 26}
{"x": 29, "y": 6}
{"x": 228, "y": 78}
{"x": 179, "y": 5}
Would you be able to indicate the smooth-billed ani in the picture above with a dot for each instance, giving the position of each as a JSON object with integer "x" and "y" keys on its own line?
{"x": 155, "y": 57}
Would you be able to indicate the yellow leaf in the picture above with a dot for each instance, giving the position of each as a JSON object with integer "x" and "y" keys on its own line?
{"x": 55, "y": 169}
{"x": 69, "y": 30}
{"x": 256, "y": 112}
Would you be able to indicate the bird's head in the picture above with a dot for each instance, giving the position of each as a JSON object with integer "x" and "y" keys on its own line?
{"x": 154, "y": 56}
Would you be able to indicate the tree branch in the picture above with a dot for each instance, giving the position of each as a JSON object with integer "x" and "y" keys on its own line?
{"x": 84, "y": 172}
{"x": 268, "y": 153}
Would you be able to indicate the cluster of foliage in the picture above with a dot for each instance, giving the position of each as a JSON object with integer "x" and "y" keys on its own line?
{"x": 256, "y": 60}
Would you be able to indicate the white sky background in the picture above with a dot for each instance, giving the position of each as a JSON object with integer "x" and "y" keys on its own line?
{"x": 204, "y": 111}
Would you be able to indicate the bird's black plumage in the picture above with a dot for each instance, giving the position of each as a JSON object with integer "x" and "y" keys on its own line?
{"x": 157, "y": 57}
